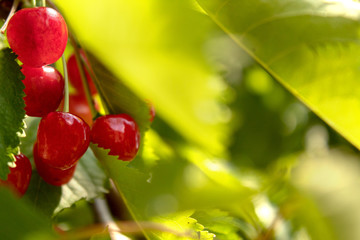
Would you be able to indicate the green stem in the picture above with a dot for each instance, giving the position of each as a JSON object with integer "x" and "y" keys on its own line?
{"x": 96, "y": 82}
{"x": 39, "y": 3}
{"x": 84, "y": 81}
{"x": 66, "y": 95}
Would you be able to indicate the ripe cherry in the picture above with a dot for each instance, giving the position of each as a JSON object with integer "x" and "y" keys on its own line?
{"x": 62, "y": 139}
{"x": 44, "y": 89}
{"x": 53, "y": 176}
{"x": 75, "y": 77}
{"x": 19, "y": 176}
{"x": 119, "y": 133}
{"x": 79, "y": 106}
{"x": 37, "y": 35}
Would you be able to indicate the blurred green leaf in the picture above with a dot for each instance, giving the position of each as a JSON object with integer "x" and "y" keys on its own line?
{"x": 308, "y": 46}
{"x": 11, "y": 109}
{"x": 175, "y": 183}
{"x": 19, "y": 221}
{"x": 118, "y": 98}
{"x": 156, "y": 49}
{"x": 81, "y": 214}
{"x": 330, "y": 177}
{"x": 88, "y": 183}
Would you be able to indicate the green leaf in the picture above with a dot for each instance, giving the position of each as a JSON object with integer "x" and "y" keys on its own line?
{"x": 11, "y": 108}
{"x": 175, "y": 183}
{"x": 160, "y": 57}
{"x": 19, "y": 221}
{"x": 311, "y": 47}
{"x": 220, "y": 223}
{"x": 183, "y": 226}
{"x": 118, "y": 98}
{"x": 88, "y": 183}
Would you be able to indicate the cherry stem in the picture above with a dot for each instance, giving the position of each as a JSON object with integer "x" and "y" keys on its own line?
{"x": 66, "y": 95}
{"x": 12, "y": 12}
{"x": 96, "y": 82}
{"x": 39, "y": 3}
{"x": 81, "y": 65}
{"x": 84, "y": 81}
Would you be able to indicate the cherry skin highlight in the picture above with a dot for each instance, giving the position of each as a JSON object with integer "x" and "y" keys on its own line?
{"x": 44, "y": 89}
{"x": 19, "y": 176}
{"x": 75, "y": 77}
{"x": 62, "y": 139}
{"x": 119, "y": 133}
{"x": 53, "y": 176}
{"x": 37, "y": 35}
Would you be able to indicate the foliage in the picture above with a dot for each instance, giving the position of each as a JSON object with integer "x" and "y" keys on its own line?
{"x": 231, "y": 154}
{"x": 11, "y": 109}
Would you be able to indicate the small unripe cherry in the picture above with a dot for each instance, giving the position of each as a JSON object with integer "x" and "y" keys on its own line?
{"x": 53, "y": 176}
{"x": 75, "y": 77}
{"x": 37, "y": 35}
{"x": 119, "y": 133}
{"x": 19, "y": 176}
{"x": 44, "y": 89}
{"x": 62, "y": 139}
{"x": 151, "y": 110}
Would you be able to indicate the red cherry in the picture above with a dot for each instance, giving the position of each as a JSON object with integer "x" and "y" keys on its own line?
{"x": 119, "y": 133}
{"x": 37, "y": 35}
{"x": 53, "y": 176}
{"x": 62, "y": 139}
{"x": 79, "y": 106}
{"x": 44, "y": 89}
{"x": 19, "y": 176}
{"x": 75, "y": 77}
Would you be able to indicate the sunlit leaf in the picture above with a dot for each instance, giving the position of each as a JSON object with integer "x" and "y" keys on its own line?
{"x": 309, "y": 46}
{"x": 156, "y": 49}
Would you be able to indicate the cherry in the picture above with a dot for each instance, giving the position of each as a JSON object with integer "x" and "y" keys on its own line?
{"x": 53, "y": 176}
{"x": 44, "y": 89}
{"x": 119, "y": 133}
{"x": 62, "y": 139}
{"x": 151, "y": 110}
{"x": 19, "y": 176}
{"x": 37, "y": 35}
{"x": 79, "y": 106}
{"x": 75, "y": 77}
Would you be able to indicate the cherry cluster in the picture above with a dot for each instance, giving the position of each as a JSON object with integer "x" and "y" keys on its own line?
{"x": 39, "y": 37}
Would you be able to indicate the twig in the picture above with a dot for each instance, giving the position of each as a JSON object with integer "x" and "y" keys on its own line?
{"x": 270, "y": 230}
{"x": 104, "y": 214}
{"x": 130, "y": 227}
{"x": 12, "y": 12}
